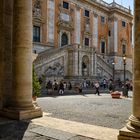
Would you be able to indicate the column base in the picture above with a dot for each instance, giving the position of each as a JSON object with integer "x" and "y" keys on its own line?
{"x": 125, "y": 134}
{"x": 21, "y": 114}
{"x": 133, "y": 124}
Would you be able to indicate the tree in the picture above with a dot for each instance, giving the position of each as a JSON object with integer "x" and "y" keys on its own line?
{"x": 36, "y": 85}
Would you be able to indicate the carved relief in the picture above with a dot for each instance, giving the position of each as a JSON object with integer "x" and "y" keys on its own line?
{"x": 37, "y": 8}
{"x": 55, "y": 70}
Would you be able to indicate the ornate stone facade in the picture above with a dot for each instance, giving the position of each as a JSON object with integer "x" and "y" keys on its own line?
{"x": 106, "y": 28}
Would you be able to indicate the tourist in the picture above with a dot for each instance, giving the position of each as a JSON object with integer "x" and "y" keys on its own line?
{"x": 69, "y": 86}
{"x": 61, "y": 88}
{"x": 97, "y": 88}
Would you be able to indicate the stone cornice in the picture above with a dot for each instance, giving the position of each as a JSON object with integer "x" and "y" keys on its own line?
{"x": 103, "y": 7}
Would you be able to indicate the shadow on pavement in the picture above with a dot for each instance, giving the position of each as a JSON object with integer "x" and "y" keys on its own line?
{"x": 12, "y": 130}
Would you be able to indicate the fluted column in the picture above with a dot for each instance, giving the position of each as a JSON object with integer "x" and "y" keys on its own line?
{"x": 135, "y": 118}
{"x": 22, "y": 55}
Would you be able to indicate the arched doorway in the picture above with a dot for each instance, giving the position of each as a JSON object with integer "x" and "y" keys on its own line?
{"x": 64, "y": 39}
{"x": 85, "y": 65}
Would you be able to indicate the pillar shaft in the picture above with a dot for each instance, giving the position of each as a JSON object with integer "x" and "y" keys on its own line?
{"x": 136, "y": 98}
{"x": 1, "y": 50}
{"x": 134, "y": 123}
{"x": 22, "y": 55}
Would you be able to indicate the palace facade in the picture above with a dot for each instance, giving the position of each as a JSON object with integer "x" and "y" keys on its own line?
{"x": 82, "y": 38}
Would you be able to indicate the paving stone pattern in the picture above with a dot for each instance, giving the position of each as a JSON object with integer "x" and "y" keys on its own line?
{"x": 90, "y": 109}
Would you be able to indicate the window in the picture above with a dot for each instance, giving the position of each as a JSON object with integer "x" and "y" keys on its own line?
{"x": 109, "y": 33}
{"x": 86, "y": 41}
{"x": 64, "y": 39}
{"x": 131, "y": 35}
{"x": 86, "y": 13}
{"x": 65, "y": 5}
{"x": 123, "y": 49}
{"x": 36, "y": 34}
{"x": 102, "y": 47}
{"x": 102, "y": 19}
{"x": 123, "y": 23}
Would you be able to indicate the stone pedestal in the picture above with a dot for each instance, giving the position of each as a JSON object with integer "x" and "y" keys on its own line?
{"x": 125, "y": 134}
{"x": 21, "y": 114}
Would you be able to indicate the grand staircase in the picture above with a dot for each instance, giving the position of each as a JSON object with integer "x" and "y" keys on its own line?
{"x": 107, "y": 69}
{"x": 54, "y": 63}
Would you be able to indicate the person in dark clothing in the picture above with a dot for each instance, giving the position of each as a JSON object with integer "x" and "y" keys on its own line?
{"x": 61, "y": 88}
{"x": 110, "y": 86}
{"x": 69, "y": 86}
{"x": 126, "y": 89}
{"x": 49, "y": 87}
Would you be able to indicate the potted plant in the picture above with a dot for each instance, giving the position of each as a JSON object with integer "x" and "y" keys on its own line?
{"x": 36, "y": 86}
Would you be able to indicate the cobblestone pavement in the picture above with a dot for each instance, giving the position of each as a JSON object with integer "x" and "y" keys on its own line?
{"x": 91, "y": 109}
{"x": 87, "y": 109}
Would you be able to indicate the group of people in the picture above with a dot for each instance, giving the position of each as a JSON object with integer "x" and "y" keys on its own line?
{"x": 104, "y": 84}
{"x": 58, "y": 86}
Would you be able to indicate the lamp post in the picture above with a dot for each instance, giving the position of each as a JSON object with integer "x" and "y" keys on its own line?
{"x": 124, "y": 63}
{"x": 124, "y": 89}
{"x": 113, "y": 64}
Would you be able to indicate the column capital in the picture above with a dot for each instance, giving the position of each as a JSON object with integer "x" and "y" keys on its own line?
{"x": 78, "y": 7}
{"x": 95, "y": 14}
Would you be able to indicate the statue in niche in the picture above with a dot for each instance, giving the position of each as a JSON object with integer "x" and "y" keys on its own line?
{"x": 37, "y": 8}
{"x": 84, "y": 69}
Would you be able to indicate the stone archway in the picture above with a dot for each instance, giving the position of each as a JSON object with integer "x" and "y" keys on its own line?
{"x": 85, "y": 65}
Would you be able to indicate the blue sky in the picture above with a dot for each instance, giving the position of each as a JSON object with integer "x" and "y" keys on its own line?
{"x": 125, "y": 3}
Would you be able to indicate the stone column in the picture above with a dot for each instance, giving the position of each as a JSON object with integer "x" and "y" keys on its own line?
{"x": 21, "y": 106}
{"x": 76, "y": 60}
{"x": 22, "y": 55}
{"x": 133, "y": 127}
{"x": 135, "y": 118}
{"x": 1, "y": 50}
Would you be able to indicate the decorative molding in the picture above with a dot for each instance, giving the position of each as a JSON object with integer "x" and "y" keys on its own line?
{"x": 112, "y": 18}
{"x": 78, "y": 7}
{"x": 95, "y": 14}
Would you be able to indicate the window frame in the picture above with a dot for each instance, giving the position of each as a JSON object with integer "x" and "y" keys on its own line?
{"x": 36, "y": 33}
{"x": 85, "y": 41}
{"x": 109, "y": 33}
{"x": 102, "y": 19}
{"x": 65, "y": 5}
{"x": 87, "y": 13}
{"x": 123, "y": 23}
{"x": 103, "y": 52}
{"x": 123, "y": 49}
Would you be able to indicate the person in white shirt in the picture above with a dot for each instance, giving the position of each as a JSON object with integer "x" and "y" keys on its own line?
{"x": 97, "y": 88}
